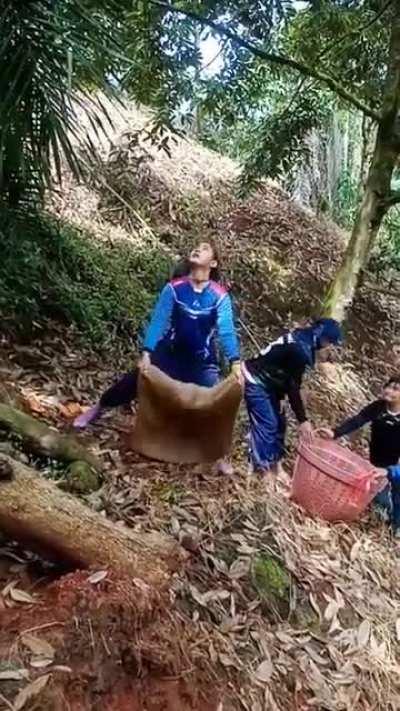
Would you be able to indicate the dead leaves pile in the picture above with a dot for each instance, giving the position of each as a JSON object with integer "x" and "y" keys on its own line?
{"x": 337, "y": 647}
{"x": 37, "y": 654}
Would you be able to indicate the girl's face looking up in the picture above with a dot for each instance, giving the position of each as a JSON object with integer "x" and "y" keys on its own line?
{"x": 203, "y": 256}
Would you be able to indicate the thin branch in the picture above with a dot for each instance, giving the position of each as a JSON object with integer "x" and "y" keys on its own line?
{"x": 377, "y": 17}
{"x": 119, "y": 197}
{"x": 356, "y": 32}
{"x": 203, "y": 68}
{"x": 273, "y": 58}
{"x": 41, "y": 627}
{"x": 250, "y": 334}
{"x": 7, "y": 702}
{"x": 294, "y": 97}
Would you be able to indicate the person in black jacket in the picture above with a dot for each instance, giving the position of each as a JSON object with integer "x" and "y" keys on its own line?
{"x": 384, "y": 451}
{"x": 276, "y": 373}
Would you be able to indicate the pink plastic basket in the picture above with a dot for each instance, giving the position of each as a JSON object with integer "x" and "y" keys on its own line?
{"x": 332, "y": 482}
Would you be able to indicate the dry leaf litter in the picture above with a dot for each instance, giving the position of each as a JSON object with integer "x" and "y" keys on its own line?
{"x": 278, "y": 610}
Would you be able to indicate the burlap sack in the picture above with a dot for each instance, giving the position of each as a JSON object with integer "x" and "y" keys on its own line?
{"x": 184, "y": 423}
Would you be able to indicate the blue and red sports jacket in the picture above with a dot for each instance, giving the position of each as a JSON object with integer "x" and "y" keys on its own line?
{"x": 189, "y": 320}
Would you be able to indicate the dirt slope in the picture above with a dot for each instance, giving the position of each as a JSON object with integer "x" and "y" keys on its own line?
{"x": 278, "y": 257}
{"x": 275, "y": 611}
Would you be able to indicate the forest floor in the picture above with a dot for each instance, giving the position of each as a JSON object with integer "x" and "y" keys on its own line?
{"x": 274, "y": 610}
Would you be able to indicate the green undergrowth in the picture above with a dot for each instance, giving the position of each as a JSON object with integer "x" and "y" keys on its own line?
{"x": 49, "y": 269}
{"x": 270, "y": 577}
{"x": 272, "y": 583}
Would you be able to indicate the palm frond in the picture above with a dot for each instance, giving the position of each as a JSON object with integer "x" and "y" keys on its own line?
{"x": 38, "y": 93}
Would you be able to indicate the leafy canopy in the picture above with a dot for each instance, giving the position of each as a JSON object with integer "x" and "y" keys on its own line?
{"x": 283, "y": 65}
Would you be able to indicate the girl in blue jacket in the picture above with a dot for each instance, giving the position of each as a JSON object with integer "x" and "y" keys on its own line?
{"x": 190, "y": 313}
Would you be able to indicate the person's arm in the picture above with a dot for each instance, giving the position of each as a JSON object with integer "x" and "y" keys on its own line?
{"x": 292, "y": 359}
{"x": 367, "y": 414}
{"x": 160, "y": 320}
{"x": 297, "y": 365}
{"x": 296, "y": 402}
{"x": 226, "y": 330}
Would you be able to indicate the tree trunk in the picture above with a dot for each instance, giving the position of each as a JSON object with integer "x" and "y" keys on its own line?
{"x": 367, "y": 150}
{"x": 36, "y": 513}
{"x": 347, "y": 277}
{"x": 376, "y": 198}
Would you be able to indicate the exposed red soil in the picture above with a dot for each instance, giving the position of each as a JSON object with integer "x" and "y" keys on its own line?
{"x": 113, "y": 649}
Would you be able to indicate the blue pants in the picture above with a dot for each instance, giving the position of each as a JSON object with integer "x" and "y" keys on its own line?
{"x": 267, "y": 426}
{"x": 186, "y": 368}
{"x": 389, "y": 499}
{"x": 178, "y": 366}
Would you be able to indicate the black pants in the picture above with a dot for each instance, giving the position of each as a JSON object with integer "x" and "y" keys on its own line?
{"x": 123, "y": 392}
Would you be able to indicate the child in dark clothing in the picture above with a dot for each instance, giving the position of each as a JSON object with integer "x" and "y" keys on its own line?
{"x": 384, "y": 417}
{"x": 275, "y": 373}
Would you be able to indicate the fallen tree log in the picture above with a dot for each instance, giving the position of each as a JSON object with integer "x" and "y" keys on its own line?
{"x": 42, "y": 439}
{"x": 35, "y": 512}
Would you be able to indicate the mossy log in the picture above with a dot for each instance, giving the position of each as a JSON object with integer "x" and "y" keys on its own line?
{"x": 41, "y": 439}
{"x": 36, "y": 513}
{"x": 82, "y": 479}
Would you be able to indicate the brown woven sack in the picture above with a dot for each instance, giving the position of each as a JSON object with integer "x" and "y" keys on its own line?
{"x": 184, "y": 423}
